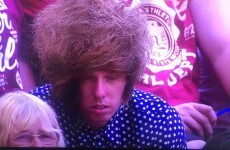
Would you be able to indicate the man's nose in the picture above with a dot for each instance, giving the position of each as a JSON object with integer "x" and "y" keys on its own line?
{"x": 36, "y": 142}
{"x": 100, "y": 89}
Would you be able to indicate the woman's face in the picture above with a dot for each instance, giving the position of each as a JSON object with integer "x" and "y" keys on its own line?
{"x": 33, "y": 137}
{"x": 101, "y": 96}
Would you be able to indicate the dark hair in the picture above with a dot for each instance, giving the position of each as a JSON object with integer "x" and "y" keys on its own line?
{"x": 77, "y": 37}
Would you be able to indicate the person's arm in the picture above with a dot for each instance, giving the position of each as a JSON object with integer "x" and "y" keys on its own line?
{"x": 27, "y": 76}
{"x": 212, "y": 26}
{"x": 198, "y": 119}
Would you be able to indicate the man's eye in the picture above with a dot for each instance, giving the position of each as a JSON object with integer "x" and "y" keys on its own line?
{"x": 87, "y": 78}
{"x": 112, "y": 77}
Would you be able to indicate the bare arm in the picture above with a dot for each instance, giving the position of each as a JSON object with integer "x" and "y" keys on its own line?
{"x": 212, "y": 26}
{"x": 197, "y": 118}
{"x": 27, "y": 76}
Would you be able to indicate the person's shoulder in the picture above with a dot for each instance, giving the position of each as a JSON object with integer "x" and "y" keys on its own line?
{"x": 151, "y": 113}
{"x": 141, "y": 97}
{"x": 43, "y": 92}
{"x": 150, "y": 104}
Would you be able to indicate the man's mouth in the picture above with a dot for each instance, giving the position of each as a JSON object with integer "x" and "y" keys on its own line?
{"x": 100, "y": 106}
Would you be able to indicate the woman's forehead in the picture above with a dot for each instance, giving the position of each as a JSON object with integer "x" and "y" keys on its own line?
{"x": 38, "y": 124}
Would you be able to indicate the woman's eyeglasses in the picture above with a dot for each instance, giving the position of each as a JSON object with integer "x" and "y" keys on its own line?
{"x": 24, "y": 139}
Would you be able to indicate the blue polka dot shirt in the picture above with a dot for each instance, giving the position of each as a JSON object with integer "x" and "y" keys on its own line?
{"x": 145, "y": 122}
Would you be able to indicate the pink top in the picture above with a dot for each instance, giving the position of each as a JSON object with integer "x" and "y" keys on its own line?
{"x": 9, "y": 45}
{"x": 172, "y": 72}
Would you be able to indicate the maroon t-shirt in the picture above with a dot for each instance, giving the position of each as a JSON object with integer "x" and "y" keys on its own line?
{"x": 9, "y": 45}
{"x": 172, "y": 72}
{"x": 32, "y": 7}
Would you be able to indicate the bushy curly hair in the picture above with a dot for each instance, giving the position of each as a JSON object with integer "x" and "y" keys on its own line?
{"x": 74, "y": 38}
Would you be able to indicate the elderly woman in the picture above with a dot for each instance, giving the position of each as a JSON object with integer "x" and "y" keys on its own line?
{"x": 27, "y": 121}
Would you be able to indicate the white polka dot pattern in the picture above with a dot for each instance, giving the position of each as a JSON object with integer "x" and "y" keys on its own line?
{"x": 145, "y": 122}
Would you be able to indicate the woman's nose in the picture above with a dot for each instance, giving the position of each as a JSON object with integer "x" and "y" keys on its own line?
{"x": 36, "y": 142}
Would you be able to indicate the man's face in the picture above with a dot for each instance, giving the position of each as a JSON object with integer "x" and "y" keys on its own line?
{"x": 101, "y": 96}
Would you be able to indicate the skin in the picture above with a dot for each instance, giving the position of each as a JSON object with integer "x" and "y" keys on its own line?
{"x": 101, "y": 96}
{"x": 196, "y": 144}
{"x": 27, "y": 77}
{"x": 212, "y": 25}
{"x": 197, "y": 118}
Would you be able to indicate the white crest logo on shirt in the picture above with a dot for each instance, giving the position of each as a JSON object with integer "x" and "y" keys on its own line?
{"x": 165, "y": 54}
